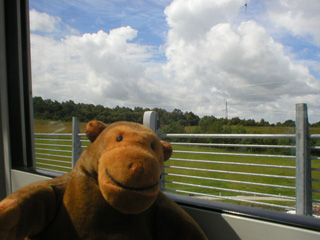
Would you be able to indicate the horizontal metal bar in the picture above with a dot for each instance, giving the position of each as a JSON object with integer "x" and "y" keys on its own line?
{"x": 315, "y": 147}
{"x": 232, "y": 163}
{"x": 316, "y": 190}
{"x": 51, "y": 170}
{"x": 232, "y": 172}
{"x": 53, "y": 145}
{"x": 230, "y": 198}
{"x": 228, "y": 136}
{"x": 230, "y": 181}
{"x": 315, "y": 169}
{"x": 315, "y": 158}
{"x": 315, "y": 180}
{"x": 82, "y": 135}
{"x": 51, "y": 165}
{"x": 54, "y": 134}
{"x": 314, "y": 200}
{"x": 51, "y": 160}
{"x": 53, "y": 139}
{"x": 53, "y": 155}
{"x": 84, "y": 140}
{"x": 315, "y": 136}
{"x": 233, "y": 145}
{"x": 229, "y": 190}
{"x": 53, "y": 150}
{"x": 236, "y": 154}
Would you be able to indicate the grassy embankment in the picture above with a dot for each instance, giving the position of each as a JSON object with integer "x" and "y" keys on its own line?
{"x": 215, "y": 185}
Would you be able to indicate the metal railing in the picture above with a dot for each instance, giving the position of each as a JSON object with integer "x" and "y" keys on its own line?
{"x": 280, "y": 175}
{"x": 241, "y": 182}
{"x": 54, "y": 152}
{"x": 235, "y": 172}
{"x": 58, "y": 152}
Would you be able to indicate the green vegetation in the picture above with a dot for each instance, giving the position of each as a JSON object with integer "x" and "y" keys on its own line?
{"x": 216, "y": 181}
{"x": 171, "y": 121}
{"x": 48, "y": 115}
{"x": 218, "y": 185}
{"x": 48, "y": 126}
{"x": 56, "y": 111}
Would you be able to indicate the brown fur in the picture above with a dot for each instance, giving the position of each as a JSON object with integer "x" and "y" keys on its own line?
{"x": 112, "y": 193}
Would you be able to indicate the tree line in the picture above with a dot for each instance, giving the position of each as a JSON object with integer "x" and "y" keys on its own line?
{"x": 174, "y": 121}
{"x": 47, "y": 109}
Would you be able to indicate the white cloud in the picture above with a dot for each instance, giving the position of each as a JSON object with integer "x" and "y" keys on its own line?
{"x": 301, "y": 18}
{"x": 52, "y": 26}
{"x": 43, "y": 22}
{"x": 191, "y": 19}
{"x": 211, "y": 59}
{"x": 100, "y": 68}
{"x": 217, "y": 61}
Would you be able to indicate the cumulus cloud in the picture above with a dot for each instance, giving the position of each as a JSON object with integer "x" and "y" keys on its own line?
{"x": 43, "y": 22}
{"x": 51, "y": 26}
{"x": 210, "y": 59}
{"x": 191, "y": 19}
{"x": 241, "y": 64}
{"x": 99, "y": 67}
{"x": 301, "y": 18}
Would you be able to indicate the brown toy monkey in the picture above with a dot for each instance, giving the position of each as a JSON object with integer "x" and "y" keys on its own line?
{"x": 112, "y": 193}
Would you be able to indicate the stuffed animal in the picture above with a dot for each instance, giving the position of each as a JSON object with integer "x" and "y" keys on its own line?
{"x": 112, "y": 193}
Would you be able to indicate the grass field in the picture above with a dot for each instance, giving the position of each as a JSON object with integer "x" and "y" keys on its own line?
{"x": 47, "y": 126}
{"x": 247, "y": 186}
{"x": 216, "y": 182}
{"x": 60, "y": 148}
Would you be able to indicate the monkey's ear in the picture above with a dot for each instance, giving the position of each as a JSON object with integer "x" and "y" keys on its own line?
{"x": 167, "y": 150}
{"x": 93, "y": 129}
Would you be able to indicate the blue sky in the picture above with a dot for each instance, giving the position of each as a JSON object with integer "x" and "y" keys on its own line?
{"x": 91, "y": 16}
{"x": 193, "y": 55}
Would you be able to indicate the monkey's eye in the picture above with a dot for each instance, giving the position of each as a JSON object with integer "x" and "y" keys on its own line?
{"x": 119, "y": 138}
{"x": 153, "y": 147}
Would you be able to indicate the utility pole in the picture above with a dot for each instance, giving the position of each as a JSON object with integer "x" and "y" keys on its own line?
{"x": 226, "y": 116}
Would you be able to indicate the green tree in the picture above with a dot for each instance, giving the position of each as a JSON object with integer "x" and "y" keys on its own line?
{"x": 289, "y": 123}
{"x": 317, "y": 124}
{"x": 191, "y": 119}
{"x": 235, "y": 121}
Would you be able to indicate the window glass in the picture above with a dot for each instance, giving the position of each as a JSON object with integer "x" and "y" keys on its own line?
{"x": 206, "y": 66}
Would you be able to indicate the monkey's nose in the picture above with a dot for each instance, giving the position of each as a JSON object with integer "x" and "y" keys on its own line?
{"x": 135, "y": 168}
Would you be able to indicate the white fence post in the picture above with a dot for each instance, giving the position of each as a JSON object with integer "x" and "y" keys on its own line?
{"x": 303, "y": 162}
{"x": 76, "y": 143}
{"x": 151, "y": 120}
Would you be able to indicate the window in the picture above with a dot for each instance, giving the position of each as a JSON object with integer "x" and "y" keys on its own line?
{"x": 16, "y": 102}
{"x": 232, "y": 67}
{"x": 218, "y": 66}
